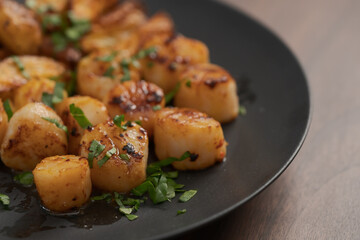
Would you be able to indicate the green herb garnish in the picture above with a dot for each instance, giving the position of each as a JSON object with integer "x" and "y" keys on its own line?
{"x": 171, "y": 95}
{"x": 54, "y": 98}
{"x": 4, "y": 199}
{"x": 179, "y": 212}
{"x": 125, "y": 67}
{"x": 131, "y": 217}
{"x": 124, "y": 156}
{"x": 188, "y": 83}
{"x": 79, "y": 116}
{"x": 107, "y": 58}
{"x": 96, "y": 148}
{"x": 156, "y": 108}
{"x": 25, "y": 178}
{"x": 242, "y": 110}
{"x": 20, "y": 66}
{"x": 7, "y": 109}
{"x": 104, "y": 196}
{"x": 106, "y": 157}
{"x": 186, "y": 196}
{"x": 56, "y": 122}
{"x": 109, "y": 72}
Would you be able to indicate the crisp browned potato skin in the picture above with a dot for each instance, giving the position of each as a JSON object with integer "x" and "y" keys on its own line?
{"x": 117, "y": 175}
{"x": 37, "y": 67}
{"x": 90, "y": 9}
{"x": 136, "y": 101}
{"x": 63, "y": 182}
{"x": 174, "y": 53}
{"x": 177, "y": 130}
{"x": 20, "y": 32}
{"x": 211, "y": 89}
{"x": 29, "y": 138}
{"x": 32, "y": 91}
{"x": 91, "y": 80}
{"x": 94, "y": 110}
{"x": 3, "y": 121}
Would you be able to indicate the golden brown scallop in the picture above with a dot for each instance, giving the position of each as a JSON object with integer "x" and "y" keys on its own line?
{"x": 30, "y": 138}
{"x": 94, "y": 110}
{"x": 90, "y": 9}
{"x": 177, "y": 130}
{"x": 19, "y": 32}
{"x": 54, "y": 5}
{"x": 211, "y": 89}
{"x": 127, "y": 159}
{"x": 137, "y": 101}
{"x": 3, "y": 121}
{"x": 174, "y": 53}
{"x": 96, "y": 76}
{"x": 63, "y": 182}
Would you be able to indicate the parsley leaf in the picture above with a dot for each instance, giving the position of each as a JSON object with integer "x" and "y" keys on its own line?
{"x": 109, "y": 72}
{"x": 179, "y": 212}
{"x": 188, "y": 83}
{"x": 20, "y": 66}
{"x": 4, "y": 199}
{"x": 171, "y": 95}
{"x": 96, "y": 148}
{"x": 25, "y": 178}
{"x": 51, "y": 99}
{"x": 7, "y": 109}
{"x": 107, "y": 58}
{"x": 242, "y": 110}
{"x": 106, "y": 157}
{"x": 186, "y": 196}
{"x": 59, "y": 125}
{"x": 79, "y": 116}
{"x": 156, "y": 107}
{"x": 104, "y": 196}
{"x": 131, "y": 217}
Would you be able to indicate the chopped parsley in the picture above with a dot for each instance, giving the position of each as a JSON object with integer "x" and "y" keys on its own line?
{"x": 20, "y": 66}
{"x": 79, "y": 116}
{"x": 188, "y": 83}
{"x": 7, "y": 109}
{"x": 25, "y": 178}
{"x": 124, "y": 156}
{"x": 56, "y": 122}
{"x": 109, "y": 72}
{"x": 186, "y": 196}
{"x": 107, "y": 58}
{"x": 106, "y": 157}
{"x": 104, "y": 196}
{"x": 54, "y": 98}
{"x": 242, "y": 110}
{"x": 125, "y": 67}
{"x": 96, "y": 148}
{"x": 171, "y": 95}
{"x": 4, "y": 199}
{"x": 156, "y": 107}
{"x": 179, "y": 212}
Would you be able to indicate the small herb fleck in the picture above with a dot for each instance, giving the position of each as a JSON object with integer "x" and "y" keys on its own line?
{"x": 20, "y": 66}
{"x": 79, "y": 116}
{"x": 171, "y": 95}
{"x": 7, "y": 109}
{"x": 156, "y": 108}
{"x": 106, "y": 157}
{"x": 186, "y": 196}
{"x": 56, "y": 122}
{"x": 25, "y": 178}
{"x": 242, "y": 110}
{"x": 179, "y": 212}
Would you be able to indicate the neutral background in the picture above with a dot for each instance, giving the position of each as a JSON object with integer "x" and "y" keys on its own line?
{"x": 318, "y": 196}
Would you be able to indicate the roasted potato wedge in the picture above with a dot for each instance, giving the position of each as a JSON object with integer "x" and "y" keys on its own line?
{"x": 94, "y": 110}
{"x": 174, "y": 53}
{"x": 63, "y": 182}
{"x": 30, "y": 138}
{"x": 178, "y": 130}
{"x": 19, "y": 32}
{"x": 211, "y": 89}
{"x": 126, "y": 167}
{"x": 137, "y": 101}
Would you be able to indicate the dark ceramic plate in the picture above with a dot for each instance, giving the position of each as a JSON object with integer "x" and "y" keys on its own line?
{"x": 262, "y": 144}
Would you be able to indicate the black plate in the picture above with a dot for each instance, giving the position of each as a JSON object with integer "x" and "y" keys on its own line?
{"x": 262, "y": 144}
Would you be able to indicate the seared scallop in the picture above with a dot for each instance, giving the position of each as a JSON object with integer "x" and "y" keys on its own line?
{"x": 173, "y": 54}
{"x": 99, "y": 72}
{"x": 3, "y": 121}
{"x": 30, "y": 137}
{"x": 33, "y": 91}
{"x": 90, "y": 9}
{"x": 120, "y": 162}
{"x": 159, "y": 23}
{"x": 178, "y": 130}
{"x": 63, "y": 182}
{"x": 54, "y": 5}
{"x": 94, "y": 110}
{"x": 137, "y": 101}
{"x": 211, "y": 89}
{"x": 16, "y": 71}
{"x": 19, "y": 32}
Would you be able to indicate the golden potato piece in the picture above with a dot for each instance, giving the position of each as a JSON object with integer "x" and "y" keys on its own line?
{"x": 211, "y": 89}
{"x": 35, "y": 67}
{"x": 32, "y": 91}
{"x": 20, "y": 32}
{"x": 96, "y": 77}
{"x": 90, "y": 9}
{"x": 126, "y": 167}
{"x": 94, "y": 110}
{"x": 63, "y": 182}
{"x": 137, "y": 101}
{"x": 29, "y": 138}
{"x": 178, "y": 130}
{"x": 174, "y": 53}
{"x": 3, "y": 121}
